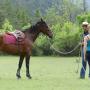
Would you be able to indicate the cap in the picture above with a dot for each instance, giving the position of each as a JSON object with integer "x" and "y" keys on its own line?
{"x": 85, "y": 23}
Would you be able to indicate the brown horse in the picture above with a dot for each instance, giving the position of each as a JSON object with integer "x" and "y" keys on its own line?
{"x": 24, "y": 50}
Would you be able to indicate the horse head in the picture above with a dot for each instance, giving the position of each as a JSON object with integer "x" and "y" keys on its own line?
{"x": 43, "y": 27}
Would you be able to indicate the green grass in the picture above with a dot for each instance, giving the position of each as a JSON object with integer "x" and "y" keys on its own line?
{"x": 48, "y": 73}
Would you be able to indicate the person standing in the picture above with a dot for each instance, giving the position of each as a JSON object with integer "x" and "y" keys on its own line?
{"x": 86, "y": 48}
{"x": 85, "y": 33}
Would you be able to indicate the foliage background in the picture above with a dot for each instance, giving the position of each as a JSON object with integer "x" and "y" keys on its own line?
{"x": 64, "y": 18}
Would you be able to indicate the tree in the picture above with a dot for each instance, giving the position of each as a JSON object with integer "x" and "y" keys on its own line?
{"x": 17, "y": 16}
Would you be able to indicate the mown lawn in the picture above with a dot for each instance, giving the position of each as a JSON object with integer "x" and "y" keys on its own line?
{"x": 48, "y": 73}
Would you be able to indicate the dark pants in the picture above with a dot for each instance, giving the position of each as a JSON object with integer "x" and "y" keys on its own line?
{"x": 83, "y": 69}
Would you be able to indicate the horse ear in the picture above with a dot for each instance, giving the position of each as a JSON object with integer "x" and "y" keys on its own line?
{"x": 41, "y": 20}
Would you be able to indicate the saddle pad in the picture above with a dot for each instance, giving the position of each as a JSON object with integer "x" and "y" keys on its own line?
{"x": 9, "y": 39}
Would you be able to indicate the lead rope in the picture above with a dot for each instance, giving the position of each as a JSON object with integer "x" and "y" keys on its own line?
{"x": 64, "y": 53}
{"x": 78, "y": 61}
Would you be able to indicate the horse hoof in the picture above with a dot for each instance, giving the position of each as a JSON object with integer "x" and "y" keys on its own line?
{"x": 18, "y": 76}
{"x": 28, "y": 76}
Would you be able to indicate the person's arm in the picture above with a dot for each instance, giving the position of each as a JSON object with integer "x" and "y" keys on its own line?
{"x": 85, "y": 47}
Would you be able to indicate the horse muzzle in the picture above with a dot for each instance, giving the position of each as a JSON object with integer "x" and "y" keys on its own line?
{"x": 51, "y": 36}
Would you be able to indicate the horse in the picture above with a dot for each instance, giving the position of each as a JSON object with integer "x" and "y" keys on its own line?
{"x": 24, "y": 50}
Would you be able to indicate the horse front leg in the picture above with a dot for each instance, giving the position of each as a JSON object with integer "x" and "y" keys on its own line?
{"x": 27, "y": 66}
{"x": 19, "y": 66}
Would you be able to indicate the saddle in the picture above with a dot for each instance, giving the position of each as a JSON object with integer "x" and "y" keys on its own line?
{"x": 16, "y": 37}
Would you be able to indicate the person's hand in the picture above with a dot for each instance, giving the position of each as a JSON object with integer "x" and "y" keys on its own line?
{"x": 81, "y": 43}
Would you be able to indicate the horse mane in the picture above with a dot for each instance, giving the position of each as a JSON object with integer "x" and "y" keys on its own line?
{"x": 31, "y": 29}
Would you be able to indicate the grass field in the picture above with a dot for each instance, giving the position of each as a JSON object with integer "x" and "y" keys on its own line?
{"x": 48, "y": 73}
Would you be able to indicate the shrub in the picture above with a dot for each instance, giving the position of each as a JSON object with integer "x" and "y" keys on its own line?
{"x": 7, "y": 26}
{"x": 66, "y": 37}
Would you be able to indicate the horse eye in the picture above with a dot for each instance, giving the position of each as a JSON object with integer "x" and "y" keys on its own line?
{"x": 46, "y": 26}
{"x": 38, "y": 24}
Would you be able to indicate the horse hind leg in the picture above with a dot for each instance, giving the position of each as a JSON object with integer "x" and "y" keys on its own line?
{"x": 27, "y": 66}
{"x": 19, "y": 66}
